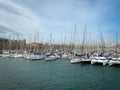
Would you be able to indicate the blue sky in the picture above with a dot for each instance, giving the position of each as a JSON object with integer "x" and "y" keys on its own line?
{"x": 59, "y": 17}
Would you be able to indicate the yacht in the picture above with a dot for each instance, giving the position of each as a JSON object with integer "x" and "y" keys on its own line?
{"x": 75, "y": 60}
{"x": 51, "y": 57}
{"x": 5, "y": 54}
{"x": 114, "y": 61}
{"x": 100, "y": 60}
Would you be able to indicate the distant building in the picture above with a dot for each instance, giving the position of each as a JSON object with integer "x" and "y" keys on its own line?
{"x": 8, "y": 44}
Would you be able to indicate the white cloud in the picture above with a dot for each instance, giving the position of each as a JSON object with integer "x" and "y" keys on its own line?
{"x": 56, "y": 16}
{"x": 25, "y": 21}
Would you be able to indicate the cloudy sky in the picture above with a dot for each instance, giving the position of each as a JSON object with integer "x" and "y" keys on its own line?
{"x": 59, "y": 17}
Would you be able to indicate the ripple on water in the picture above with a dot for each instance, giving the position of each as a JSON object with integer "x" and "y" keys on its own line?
{"x": 21, "y": 74}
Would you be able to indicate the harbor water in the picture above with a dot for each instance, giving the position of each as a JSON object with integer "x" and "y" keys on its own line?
{"x": 22, "y": 74}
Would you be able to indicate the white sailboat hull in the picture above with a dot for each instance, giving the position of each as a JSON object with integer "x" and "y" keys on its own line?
{"x": 50, "y": 58}
{"x": 99, "y": 60}
{"x": 75, "y": 60}
{"x": 114, "y": 62}
{"x": 18, "y": 56}
{"x": 5, "y": 55}
{"x": 34, "y": 57}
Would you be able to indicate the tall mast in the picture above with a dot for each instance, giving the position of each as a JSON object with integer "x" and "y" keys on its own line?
{"x": 50, "y": 42}
{"x": 9, "y": 42}
{"x": 74, "y": 34}
{"x": 116, "y": 46}
{"x": 34, "y": 43}
{"x": 37, "y": 41}
{"x": 30, "y": 44}
{"x": 3, "y": 41}
{"x": 64, "y": 43}
{"x": 83, "y": 39}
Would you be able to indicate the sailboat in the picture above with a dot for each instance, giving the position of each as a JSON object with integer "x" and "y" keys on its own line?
{"x": 99, "y": 58}
{"x": 76, "y": 58}
{"x": 18, "y": 53}
{"x": 65, "y": 56}
{"x": 115, "y": 60}
{"x": 65, "y": 53}
{"x": 51, "y": 55}
{"x": 35, "y": 55}
{"x": 85, "y": 58}
{"x": 5, "y": 52}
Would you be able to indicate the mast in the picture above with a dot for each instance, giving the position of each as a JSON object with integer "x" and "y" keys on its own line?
{"x": 83, "y": 40}
{"x": 17, "y": 42}
{"x": 70, "y": 41}
{"x": 3, "y": 41}
{"x": 9, "y": 42}
{"x": 34, "y": 44}
{"x": 38, "y": 41}
{"x": 102, "y": 44}
{"x": 64, "y": 44}
{"x": 30, "y": 44}
{"x": 74, "y": 34}
{"x": 116, "y": 46}
{"x": 50, "y": 42}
